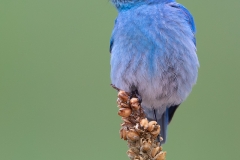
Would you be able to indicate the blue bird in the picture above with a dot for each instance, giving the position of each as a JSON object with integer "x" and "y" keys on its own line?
{"x": 153, "y": 53}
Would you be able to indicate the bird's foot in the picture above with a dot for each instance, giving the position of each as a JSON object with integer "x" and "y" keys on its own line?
{"x": 135, "y": 93}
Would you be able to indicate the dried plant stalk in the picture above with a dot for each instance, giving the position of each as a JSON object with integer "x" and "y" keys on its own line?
{"x": 140, "y": 134}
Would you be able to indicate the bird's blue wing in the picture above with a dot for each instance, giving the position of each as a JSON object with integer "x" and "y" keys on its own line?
{"x": 112, "y": 40}
{"x": 189, "y": 17}
{"x": 111, "y": 44}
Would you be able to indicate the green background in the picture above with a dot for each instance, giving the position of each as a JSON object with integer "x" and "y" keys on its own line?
{"x": 55, "y": 99}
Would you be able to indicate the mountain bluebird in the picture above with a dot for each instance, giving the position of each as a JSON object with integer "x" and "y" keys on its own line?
{"x": 153, "y": 53}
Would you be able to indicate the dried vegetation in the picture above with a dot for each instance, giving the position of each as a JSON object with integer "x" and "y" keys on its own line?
{"x": 140, "y": 134}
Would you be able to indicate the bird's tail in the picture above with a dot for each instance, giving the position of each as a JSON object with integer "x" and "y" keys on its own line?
{"x": 163, "y": 122}
{"x": 162, "y": 118}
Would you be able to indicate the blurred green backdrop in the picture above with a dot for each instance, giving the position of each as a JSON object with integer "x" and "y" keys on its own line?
{"x": 55, "y": 99}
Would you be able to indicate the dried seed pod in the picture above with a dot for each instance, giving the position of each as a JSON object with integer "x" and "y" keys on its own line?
{"x": 123, "y": 96}
{"x": 134, "y": 100}
{"x": 135, "y": 104}
{"x": 132, "y": 135}
{"x": 144, "y": 123}
{"x": 151, "y": 126}
{"x": 148, "y": 140}
{"x": 146, "y": 146}
{"x": 123, "y": 133}
{"x": 123, "y": 105}
{"x": 154, "y": 151}
{"x": 124, "y": 112}
{"x": 145, "y": 156}
{"x": 138, "y": 158}
{"x": 135, "y": 149}
{"x": 148, "y": 135}
{"x": 138, "y": 119}
{"x": 125, "y": 119}
{"x": 160, "y": 156}
{"x": 136, "y": 127}
{"x": 160, "y": 148}
{"x": 142, "y": 140}
{"x": 131, "y": 154}
{"x": 156, "y": 131}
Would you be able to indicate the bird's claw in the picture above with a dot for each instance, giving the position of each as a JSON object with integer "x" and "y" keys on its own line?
{"x": 135, "y": 93}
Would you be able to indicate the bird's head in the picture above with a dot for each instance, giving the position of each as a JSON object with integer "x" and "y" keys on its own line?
{"x": 126, "y": 4}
